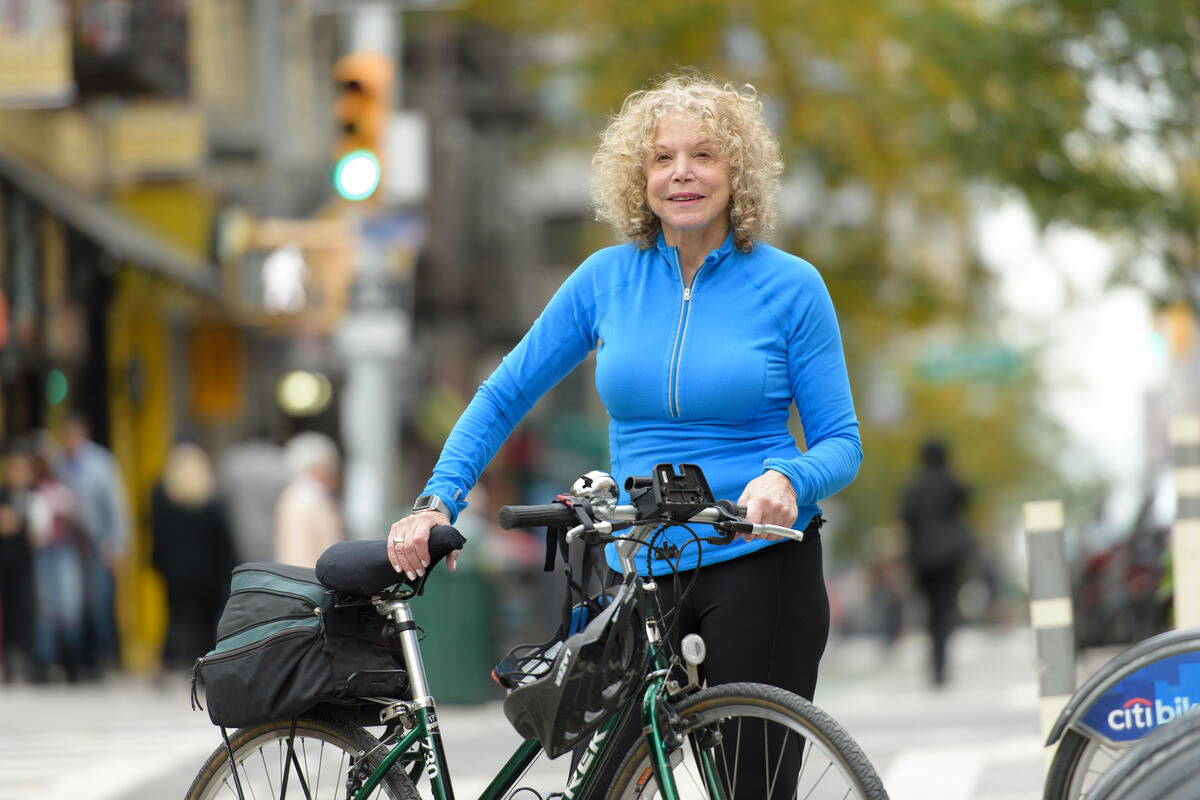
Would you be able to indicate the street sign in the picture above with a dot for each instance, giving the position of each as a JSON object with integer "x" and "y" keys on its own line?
{"x": 337, "y": 6}
{"x": 968, "y": 361}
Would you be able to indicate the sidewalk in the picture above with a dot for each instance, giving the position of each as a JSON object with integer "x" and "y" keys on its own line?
{"x": 977, "y": 738}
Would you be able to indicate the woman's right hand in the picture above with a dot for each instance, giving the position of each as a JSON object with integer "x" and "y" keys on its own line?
{"x": 408, "y": 543}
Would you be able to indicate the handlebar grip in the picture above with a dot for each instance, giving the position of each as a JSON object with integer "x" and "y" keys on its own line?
{"x": 551, "y": 515}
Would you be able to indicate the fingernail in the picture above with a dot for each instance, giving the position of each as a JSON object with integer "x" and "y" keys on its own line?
{"x": 410, "y": 575}
{"x": 424, "y": 563}
{"x": 420, "y": 573}
{"x": 395, "y": 568}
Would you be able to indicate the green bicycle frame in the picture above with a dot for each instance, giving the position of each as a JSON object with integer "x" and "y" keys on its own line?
{"x": 427, "y": 736}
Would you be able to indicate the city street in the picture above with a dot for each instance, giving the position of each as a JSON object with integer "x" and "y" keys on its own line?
{"x": 977, "y": 739}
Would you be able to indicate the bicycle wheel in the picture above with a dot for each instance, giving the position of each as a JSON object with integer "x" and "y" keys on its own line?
{"x": 767, "y": 743}
{"x": 1078, "y": 763}
{"x": 325, "y": 750}
{"x": 1163, "y": 765}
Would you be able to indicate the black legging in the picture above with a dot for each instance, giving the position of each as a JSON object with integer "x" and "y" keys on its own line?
{"x": 764, "y": 617}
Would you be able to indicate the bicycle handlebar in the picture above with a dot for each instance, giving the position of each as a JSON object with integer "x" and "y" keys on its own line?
{"x": 559, "y": 515}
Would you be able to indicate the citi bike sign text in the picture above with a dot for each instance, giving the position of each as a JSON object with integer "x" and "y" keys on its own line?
{"x": 1152, "y": 696}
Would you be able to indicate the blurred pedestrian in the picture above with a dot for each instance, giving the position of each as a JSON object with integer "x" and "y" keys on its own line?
{"x": 16, "y": 562}
{"x": 251, "y": 475}
{"x": 193, "y": 549}
{"x": 92, "y": 473}
{"x": 308, "y": 516}
{"x": 58, "y": 572}
{"x": 939, "y": 543}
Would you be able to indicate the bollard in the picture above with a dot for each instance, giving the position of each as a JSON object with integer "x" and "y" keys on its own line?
{"x": 1184, "y": 433}
{"x": 1050, "y": 609}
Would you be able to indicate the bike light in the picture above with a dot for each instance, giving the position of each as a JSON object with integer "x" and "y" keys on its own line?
{"x": 693, "y": 649}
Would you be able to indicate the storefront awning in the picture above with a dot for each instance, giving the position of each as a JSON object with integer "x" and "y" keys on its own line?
{"x": 125, "y": 239}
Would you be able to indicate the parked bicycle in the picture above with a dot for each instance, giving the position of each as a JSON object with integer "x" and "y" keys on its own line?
{"x": 572, "y": 694}
{"x": 1138, "y": 691}
{"x": 1164, "y": 765}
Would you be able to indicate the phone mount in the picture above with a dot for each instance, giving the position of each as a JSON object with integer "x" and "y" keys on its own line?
{"x": 670, "y": 495}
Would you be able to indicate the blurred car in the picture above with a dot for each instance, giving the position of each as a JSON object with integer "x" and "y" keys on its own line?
{"x": 1120, "y": 567}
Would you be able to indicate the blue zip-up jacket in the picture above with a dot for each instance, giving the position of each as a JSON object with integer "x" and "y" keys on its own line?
{"x": 702, "y": 374}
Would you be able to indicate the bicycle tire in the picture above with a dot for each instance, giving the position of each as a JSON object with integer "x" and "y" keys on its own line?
{"x": 1162, "y": 765}
{"x": 325, "y": 748}
{"x": 830, "y": 762}
{"x": 1078, "y": 763}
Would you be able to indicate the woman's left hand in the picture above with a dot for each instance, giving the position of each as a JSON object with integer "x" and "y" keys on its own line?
{"x": 769, "y": 499}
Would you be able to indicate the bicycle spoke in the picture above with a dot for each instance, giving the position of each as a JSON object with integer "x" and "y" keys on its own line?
{"x": 324, "y": 753}
{"x": 728, "y": 725}
{"x": 737, "y": 752}
{"x": 300, "y": 777}
{"x": 772, "y": 776}
{"x": 824, "y": 772}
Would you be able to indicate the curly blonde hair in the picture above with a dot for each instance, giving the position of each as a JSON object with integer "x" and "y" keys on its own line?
{"x": 732, "y": 118}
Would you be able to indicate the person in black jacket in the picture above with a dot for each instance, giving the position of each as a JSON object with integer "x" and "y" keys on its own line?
{"x": 939, "y": 543}
{"x": 193, "y": 549}
{"x": 17, "y": 608}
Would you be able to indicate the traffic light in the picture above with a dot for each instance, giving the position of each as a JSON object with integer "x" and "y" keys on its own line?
{"x": 362, "y": 109}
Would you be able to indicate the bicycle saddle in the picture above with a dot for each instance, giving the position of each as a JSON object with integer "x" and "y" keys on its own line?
{"x": 362, "y": 567}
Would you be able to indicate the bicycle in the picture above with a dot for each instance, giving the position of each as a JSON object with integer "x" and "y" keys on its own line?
{"x": 1161, "y": 766}
{"x": 1148, "y": 685}
{"x": 692, "y": 736}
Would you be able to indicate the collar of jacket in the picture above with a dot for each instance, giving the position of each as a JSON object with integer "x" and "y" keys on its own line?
{"x": 670, "y": 258}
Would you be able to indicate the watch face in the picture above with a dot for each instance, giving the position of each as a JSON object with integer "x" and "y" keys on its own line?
{"x": 427, "y": 502}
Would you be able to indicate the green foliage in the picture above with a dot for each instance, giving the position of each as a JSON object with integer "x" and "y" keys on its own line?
{"x": 914, "y": 102}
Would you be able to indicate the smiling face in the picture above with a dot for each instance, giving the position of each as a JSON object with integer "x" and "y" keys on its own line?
{"x": 687, "y": 183}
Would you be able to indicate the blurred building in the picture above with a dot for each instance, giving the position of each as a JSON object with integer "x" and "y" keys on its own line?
{"x": 171, "y": 248}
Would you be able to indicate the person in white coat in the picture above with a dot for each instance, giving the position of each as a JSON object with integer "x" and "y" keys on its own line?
{"x": 308, "y": 515}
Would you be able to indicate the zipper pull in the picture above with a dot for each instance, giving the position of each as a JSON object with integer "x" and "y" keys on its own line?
{"x": 687, "y": 294}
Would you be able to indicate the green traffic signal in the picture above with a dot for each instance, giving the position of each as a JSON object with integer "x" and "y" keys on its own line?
{"x": 356, "y": 176}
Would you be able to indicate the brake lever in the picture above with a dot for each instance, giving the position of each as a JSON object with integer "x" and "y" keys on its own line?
{"x": 731, "y": 524}
{"x": 730, "y": 531}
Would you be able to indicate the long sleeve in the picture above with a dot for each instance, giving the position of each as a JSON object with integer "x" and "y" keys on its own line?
{"x": 821, "y": 390}
{"x": 558, "y": 341}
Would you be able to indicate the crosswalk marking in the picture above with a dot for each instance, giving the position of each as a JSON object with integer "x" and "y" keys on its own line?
{"x": 70, "y": 766}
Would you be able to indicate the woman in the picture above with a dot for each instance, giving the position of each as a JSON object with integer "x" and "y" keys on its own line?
{"x": 705, "y": 336}
{"x": 193, "y": 550}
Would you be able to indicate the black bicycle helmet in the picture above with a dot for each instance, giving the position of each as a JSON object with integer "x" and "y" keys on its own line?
{"x": 591, "y": 674}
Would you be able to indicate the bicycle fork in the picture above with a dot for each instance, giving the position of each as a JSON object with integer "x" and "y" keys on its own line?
{"x": 657, "y": 718}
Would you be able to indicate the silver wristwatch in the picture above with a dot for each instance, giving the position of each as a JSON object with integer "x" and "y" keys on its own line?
{"x": 431, "y": 502}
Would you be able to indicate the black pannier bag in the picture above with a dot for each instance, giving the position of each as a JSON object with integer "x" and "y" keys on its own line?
{"x": 284, "y": 645}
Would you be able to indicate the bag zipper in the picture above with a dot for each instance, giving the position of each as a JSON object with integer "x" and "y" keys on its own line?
{"x": 245, "y": 628}
{"x": 285, "y": 633}
{"x": 322, "y": 590}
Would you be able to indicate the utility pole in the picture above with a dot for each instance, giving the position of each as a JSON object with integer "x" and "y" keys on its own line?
{"x": 374, "y": 334}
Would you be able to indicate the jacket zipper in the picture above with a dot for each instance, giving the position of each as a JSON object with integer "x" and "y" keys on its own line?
{"x": 680, "y": 336}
